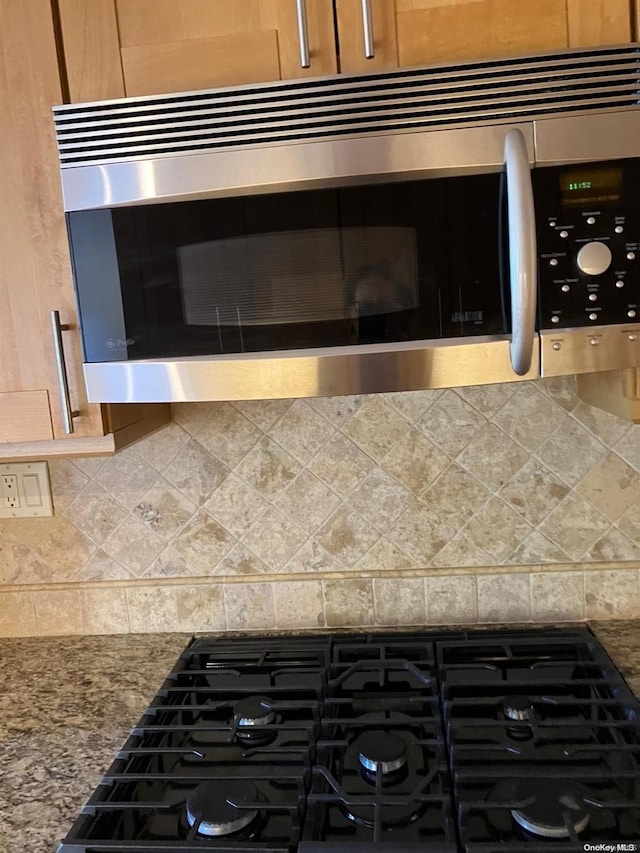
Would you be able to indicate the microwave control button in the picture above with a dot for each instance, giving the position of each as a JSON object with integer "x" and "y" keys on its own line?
{"x": 594, "y": 342}
{"x": 593, "y": 297}
{"x": 594, "y": 258}
{"x": 593, "y": 316}
{"x": 564, "y": 234}
{"x": 619, "y": 229}
{"x": 633, "y": 337}
{"x": 619, "y": 284}
{"x": 555, "y": 319}
{"x": 631, "y": 256}
{"x": 565, "y": 288}
{"x": 553, "y": 262}
{"x": 591, "y": 220}
{"x": 556, "y": 345}
{"x": 631, "y": 313}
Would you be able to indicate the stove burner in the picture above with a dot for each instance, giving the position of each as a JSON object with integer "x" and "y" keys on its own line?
{"x": 555, "y": 803}
{"x": 381, "y": 751}
{"x": 215, "y": 806}
{"x": 254, "y": 711}
{"x": 518, "y": 708}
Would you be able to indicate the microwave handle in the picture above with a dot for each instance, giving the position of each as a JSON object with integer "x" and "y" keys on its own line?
{"x": 367, "y": 30}
{"x": 523, "y": 271}
{"x": 303, "y": 34}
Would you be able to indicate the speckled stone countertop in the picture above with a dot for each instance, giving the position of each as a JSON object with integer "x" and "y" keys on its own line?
{"x": 67, "y": 704}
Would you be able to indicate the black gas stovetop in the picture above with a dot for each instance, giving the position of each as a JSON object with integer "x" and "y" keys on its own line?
{"x": 478, "y": 741}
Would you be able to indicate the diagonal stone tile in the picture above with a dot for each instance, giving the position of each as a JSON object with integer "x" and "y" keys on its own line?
{"x": 629, "y": 523}
{"x": 412, "y": 404}
{"x": 193, "y": 416}
{"x": 263, "y": 413}
{"x": 102, "y": 568}
{"x": 535, "y": 550}
{"x": 268, "y": 468}
{"x": 487, "y": 399}
{"x": 461, "y": 551}
{"x": 133, "y": 545}
{"x": 274, "y": 538}
{"x": 346, "y": 536}
{"x": 127, "y": 476}
{"x": 64, "y": 549}
{"x": 612, "y": 486}
{"x": 529, "y": 416}
{"x": 380, "y": 499}
{"x": 307, "y": 502}
{"x": 376, "y": 427}
{"x": 202, "y": 544}
{"x": 456, "y": 495}
{"x": 165, "y": 510}
{"x": 534, "y": 491}
{"x": 302, "y": 431}
{"x": 96, "y": 513}
{"x": 421, "y": 533}
{"x": 629, "y": 447}
{"x": 241, "y": 561}
{"x": 451, "y": 423}
{"x": 571, "y": 451}
{"x": 497, "y": 530}
{"x": 312, "y": 557}
{"x": 67, "y": 481}
{"x": 384, "y": 555}
{"x": 235, "y": 505}
{"x": 196, "y": 472}
{"x": 574, "y": 525}
{"x": 492, "y": 457}
{"x": 228, "y": 434}
{"x": 341, "y": 465}
{"x": 337, "y": 410}
{"x": 160, "y": 448}
{"x": 415, "y": 461}
{"x": 612, "y": 547}
{"x": 563, "y": 390}
{"x": 605, "y": 426}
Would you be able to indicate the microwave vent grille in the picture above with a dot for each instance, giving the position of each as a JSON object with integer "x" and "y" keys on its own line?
{"x": 400, "y": 101}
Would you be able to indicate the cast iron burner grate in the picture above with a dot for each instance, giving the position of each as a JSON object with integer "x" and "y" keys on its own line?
{"x": 440, "y": 742}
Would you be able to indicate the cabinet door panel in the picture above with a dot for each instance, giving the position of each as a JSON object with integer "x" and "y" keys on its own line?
{"x": 593, "y": 22}
{"x": 25, "y": 416}
{"x": 181, "y": 66}
{"x": 431, "y": 31}
{"x": 351, "y": 36}
{"x": 155, "y": 46}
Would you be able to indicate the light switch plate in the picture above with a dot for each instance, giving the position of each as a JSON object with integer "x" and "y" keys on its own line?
{"x": 25, "y": 490}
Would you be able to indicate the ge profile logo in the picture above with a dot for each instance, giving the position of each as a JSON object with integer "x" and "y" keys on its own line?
{"x": 118, "y": 343}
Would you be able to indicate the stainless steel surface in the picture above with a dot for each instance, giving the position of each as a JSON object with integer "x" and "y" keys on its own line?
{"x": 547, "y": 831}
{"x": 582, "y": 138}
{"x": 270, "y": 168}
{"x": 308, "y": 373}
{"x": 567, "y": 351}
{"x": 367, "y": 30}
{"x": 215, "y": 830}
{"x": 523, "y": 273}
{"x": 303, "y": 33}
{"x": 593, "y": 259}
{"x": 63, "y": 383}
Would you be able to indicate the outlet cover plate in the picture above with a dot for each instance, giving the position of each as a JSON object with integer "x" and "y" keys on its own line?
{"x": 25, "y": 490}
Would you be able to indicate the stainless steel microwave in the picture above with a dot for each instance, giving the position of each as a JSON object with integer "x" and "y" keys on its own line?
{"x": 422, "y": 228}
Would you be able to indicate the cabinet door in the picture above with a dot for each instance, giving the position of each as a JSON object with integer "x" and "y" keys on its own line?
{"x": 115, "y": 48}
{"x": 35, "y": 273}
{"x": 421, "y": 32}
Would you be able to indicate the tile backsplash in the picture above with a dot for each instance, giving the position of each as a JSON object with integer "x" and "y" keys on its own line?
{"x": 520, "y": 474}
{"x": 505, "y": 503}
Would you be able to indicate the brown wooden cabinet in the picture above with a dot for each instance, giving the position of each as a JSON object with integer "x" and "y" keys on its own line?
{"x": 116, "y": 48}
{"x": 420, "y": 32}
{"x": 35, "y": 273}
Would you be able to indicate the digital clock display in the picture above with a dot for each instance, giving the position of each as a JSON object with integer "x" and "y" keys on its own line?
{"x": 591, "y": 186}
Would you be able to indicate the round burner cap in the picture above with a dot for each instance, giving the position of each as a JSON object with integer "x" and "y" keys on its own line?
{"x": 518, "y": 708}
{"x": 254, "y": 711}
{"x": 556, "y": 806}
{"x": 216, "y": 805}
{"x": 381, "y": 751}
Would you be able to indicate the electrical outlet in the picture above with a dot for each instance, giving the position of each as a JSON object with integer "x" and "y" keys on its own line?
{"x": 25, "y": 490}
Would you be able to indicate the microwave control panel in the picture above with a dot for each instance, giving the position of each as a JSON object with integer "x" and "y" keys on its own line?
{"x": 588, "y": 234}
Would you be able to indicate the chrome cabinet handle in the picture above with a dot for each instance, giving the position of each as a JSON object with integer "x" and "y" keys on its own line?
{"x": 67, "y": 413}
{"x": 522, "y": 250}
{"x": 367, "y": 29}
{"x": 303, "y": 33}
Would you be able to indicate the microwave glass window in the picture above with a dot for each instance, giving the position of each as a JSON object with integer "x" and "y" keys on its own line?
{"x": 373, "y": 264}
